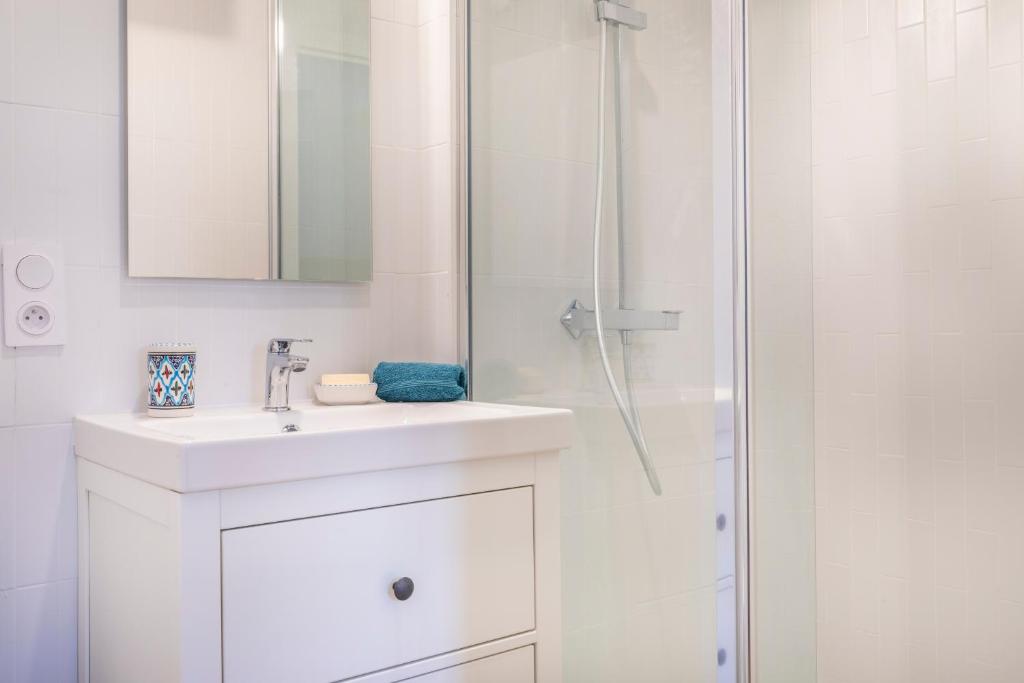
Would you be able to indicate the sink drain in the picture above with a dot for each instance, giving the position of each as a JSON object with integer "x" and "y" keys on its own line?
{"x": 288, "y": 429}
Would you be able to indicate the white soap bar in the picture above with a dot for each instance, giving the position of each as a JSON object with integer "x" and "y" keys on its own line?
{"x": 345, "y": 379}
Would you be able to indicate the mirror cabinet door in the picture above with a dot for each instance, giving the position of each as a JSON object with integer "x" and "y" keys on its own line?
{"x": 248, "y": 139}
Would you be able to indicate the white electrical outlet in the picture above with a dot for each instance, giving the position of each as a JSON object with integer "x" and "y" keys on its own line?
{"x": 34, "y": 307}
{"x": 35, "y": 318}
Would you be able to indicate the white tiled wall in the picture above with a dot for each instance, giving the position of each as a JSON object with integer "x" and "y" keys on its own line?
{"x": 61, "y": 179}
{"x": 918, "y": 283}
{"x": 413, "y": 157}
{"x": 917, "y": 200}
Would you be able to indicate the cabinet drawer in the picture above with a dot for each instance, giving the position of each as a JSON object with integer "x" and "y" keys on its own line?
{"x": 312, "y": 601}
{"x": 508, "y": 667}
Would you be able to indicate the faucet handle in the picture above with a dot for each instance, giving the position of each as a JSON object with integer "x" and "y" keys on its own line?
{"x": 284, "y": 344}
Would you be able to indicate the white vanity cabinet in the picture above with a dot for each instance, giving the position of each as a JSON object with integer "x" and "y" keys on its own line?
{"x": 444, "y": 572}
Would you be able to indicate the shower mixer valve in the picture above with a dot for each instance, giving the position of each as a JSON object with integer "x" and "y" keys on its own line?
{"x": 578, "y": 320}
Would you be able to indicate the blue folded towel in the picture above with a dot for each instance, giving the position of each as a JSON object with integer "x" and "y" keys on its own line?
{"x": 420, "y": 382}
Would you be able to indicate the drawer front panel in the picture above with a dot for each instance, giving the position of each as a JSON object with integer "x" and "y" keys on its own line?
{"x": 313, "y": 599}
{"x": 508, "y": 667}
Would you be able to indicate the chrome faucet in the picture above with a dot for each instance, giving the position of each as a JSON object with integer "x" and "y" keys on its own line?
{"x": 280, "y": 366}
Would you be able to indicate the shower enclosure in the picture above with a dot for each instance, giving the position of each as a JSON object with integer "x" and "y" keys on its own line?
{"x": 808, "y": 268}
{"x": 602, "y": 194}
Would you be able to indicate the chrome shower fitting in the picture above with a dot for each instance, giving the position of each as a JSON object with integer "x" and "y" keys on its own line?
{"x": 612, "y": 16}
{"x": 577, "y": 319}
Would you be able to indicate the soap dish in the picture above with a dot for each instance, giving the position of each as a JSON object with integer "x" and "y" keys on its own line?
{"x": 345, "y": 394}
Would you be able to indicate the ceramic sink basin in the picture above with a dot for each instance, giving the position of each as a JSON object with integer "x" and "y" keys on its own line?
{"x": 218, "y": 449}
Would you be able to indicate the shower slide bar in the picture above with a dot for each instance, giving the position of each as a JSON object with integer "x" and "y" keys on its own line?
{"x": 578, "y": 320}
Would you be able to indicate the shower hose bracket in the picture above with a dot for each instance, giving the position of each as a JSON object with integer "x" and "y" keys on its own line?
{"x": 621, "y": 14}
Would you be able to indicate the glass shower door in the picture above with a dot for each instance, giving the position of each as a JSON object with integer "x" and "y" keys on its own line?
{"x": 648, "y": 577}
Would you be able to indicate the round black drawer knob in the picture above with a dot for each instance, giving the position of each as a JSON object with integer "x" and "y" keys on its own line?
{"x": 403, "y": 588}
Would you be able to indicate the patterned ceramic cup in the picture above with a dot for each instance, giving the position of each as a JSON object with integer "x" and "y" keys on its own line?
{"x": 171, "y": 369}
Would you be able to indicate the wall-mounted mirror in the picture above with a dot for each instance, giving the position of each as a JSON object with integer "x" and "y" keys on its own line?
{"x": 248, "y": 131}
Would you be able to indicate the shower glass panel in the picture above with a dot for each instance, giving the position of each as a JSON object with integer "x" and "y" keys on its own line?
{"x": 649, "y": 577}
{"x": 783, "y": 577}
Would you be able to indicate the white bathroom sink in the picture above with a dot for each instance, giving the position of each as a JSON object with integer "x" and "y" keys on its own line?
{"x": 218, "y": 449}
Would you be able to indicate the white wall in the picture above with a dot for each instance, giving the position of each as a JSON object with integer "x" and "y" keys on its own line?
{"x": 61, "y": 179}
{"x": 411, "y": 56}
{"x": 918, "y": 228}
{"x": 919, "y": 239}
